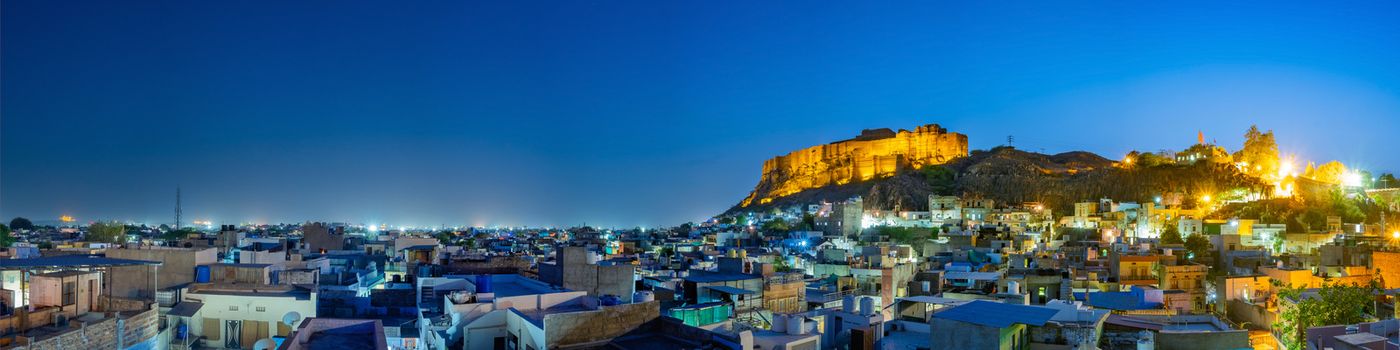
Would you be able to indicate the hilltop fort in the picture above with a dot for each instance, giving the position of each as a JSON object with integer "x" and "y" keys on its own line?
{"x": 875, "y": 153}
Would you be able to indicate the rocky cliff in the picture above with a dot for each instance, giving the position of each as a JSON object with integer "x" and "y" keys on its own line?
{"x": 875, "y": 154}
{"x": 1009, "y": 175}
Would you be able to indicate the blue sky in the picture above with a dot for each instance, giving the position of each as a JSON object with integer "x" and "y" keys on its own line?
{"x": 630, "y": 113}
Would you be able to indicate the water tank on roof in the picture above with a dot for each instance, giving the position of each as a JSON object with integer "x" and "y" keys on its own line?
{"x": 201, "y": 274}
{"x": 1013, "y": 287}
{"x": 609, "y": 300}
{"x": 867, "y": 306}
{"x": 643, "y": 296}
{"x": 483, "y": 283}
{"x": 779, "y": 323}
{"x": 849, "y": 304}
{"x": 794, "y": 325}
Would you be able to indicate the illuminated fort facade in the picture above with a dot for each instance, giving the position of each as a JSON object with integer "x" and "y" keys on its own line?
{"x": 876, "y": 153}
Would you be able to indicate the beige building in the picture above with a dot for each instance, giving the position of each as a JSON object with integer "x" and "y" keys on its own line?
{"x": 1190, "y": 279}
{"x": 237, "y": 316}
{"x": 76, "y": 291}
{"x": 140, "y": 282}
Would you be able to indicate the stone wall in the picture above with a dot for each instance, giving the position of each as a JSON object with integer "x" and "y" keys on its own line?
{"x": 874, "y": 154}
{"x": 1388, "y": 264}
{"x": 302, "y": 276}
{"x": 140, "y": 327}
{"x": 565, "y": 329}
{"x": 128, "y": 328}
{"x": 121, "y": 304}
{"x": 83, "y": 335}
{"x": 1238, "y": 339}
{"x": 492, "y": 265}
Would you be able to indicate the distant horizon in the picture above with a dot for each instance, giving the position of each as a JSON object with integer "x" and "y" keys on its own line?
{"x": 394, "y": 225}
{"x": 625, "y": 114}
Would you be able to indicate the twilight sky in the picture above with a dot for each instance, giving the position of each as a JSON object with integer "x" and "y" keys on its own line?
{"x": 624, "y": 114}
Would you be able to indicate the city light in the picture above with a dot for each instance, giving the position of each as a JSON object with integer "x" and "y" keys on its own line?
{"x": 1285, "y": 168}
{"x": 1351, "y": 179}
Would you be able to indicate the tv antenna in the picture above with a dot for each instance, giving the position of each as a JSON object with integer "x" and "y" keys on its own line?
{"x": 177, "y": 207}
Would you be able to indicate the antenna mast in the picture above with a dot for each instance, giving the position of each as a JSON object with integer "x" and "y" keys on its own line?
{"x": 177, "y": 207}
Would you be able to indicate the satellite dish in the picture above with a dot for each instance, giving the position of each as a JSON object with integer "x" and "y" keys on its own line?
{"x": 291, "y": 318}
{"x": 265, "y": 344}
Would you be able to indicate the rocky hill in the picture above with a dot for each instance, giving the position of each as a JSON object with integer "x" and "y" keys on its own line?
{"x": 1009, "y": 175}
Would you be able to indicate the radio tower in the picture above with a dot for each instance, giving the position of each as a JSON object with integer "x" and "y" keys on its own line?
{"x": 177, "y": 207}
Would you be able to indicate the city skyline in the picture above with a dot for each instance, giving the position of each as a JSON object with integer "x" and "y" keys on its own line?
{"x": 629, "y": 116}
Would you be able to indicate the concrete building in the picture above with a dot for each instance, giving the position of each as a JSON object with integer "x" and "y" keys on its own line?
{"x": 319, "y": 237}
{"x": 844, "y": 219}
{"x": 237, "y": 316}
{"x": 512, "y": 312}
{"x": 1187, "y": 278}
{"x": 177, "y": 268}
{"x": 576, "y": 268}
{"x": 986, "y": 325}
{"x": 71, "y": 290}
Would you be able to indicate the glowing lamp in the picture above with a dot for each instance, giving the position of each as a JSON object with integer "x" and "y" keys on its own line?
{"x": 1351, "y": 179}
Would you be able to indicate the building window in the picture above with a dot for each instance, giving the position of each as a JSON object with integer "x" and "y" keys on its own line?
{"x": 70, "y": 293}
{"x": 261, "y": 309}
{"x": 232, "y": 308}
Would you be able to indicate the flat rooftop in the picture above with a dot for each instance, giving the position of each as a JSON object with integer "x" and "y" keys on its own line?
{"x": 337, "y": 334}
{"x": 516, "y": 285}
{"x": 67, "y": 273}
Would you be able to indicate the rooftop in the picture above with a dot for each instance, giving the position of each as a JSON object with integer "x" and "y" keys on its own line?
{"x": 720, "y": 277}
{"x": 69, "y": 261}
{"x": 336, "y": 334}
{"x": 65, "y": 273}
{"x": 999, "y": 315}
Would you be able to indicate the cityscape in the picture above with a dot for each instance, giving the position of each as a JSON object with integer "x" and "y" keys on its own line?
{"x": 631, "y": 175}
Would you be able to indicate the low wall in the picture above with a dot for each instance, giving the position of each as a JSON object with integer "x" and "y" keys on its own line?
{"x": 564, "y": 329}
{"x": 1237, "y": 339}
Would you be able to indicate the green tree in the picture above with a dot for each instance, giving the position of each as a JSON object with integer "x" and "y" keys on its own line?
{"x": 20, "y": 223}
{"x": 6, "y": 240}
{"x": 905, "y": 235}
{"x": 108, "y": 232}
{"x": 1171, "y": 236}
{"x": 1330, "y": 172}
{"x": 941, "y": 180}
{"x": 1387, "y": 180}
{"x": 1198, "y": 244}
{"x": 1260, "y": 152}
{"x": 1334, "y": 304}
{"x": 175, "y": 235}
{"x": 809, "y": 222}
{"x": 446, "y": 237}
{"x": 776, "y": 226}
